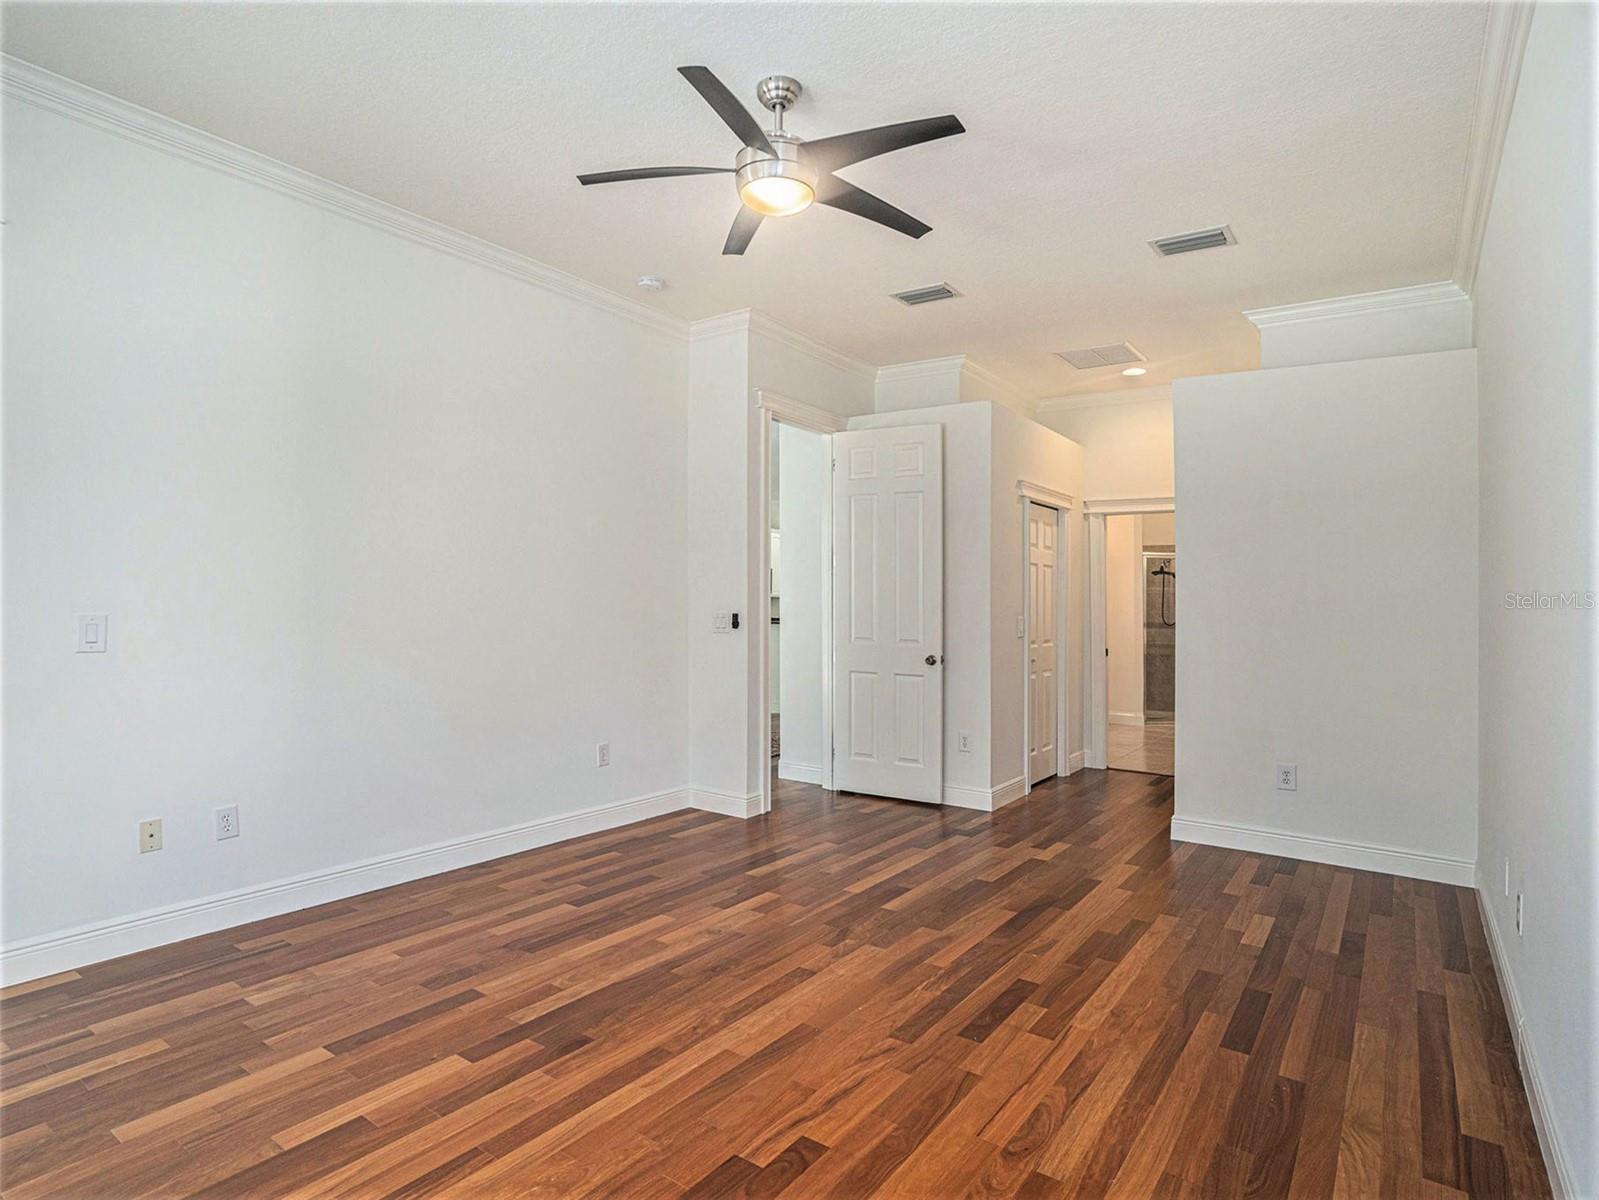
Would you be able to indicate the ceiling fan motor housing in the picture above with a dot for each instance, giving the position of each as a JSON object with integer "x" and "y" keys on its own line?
{"x": 755, "y": 164}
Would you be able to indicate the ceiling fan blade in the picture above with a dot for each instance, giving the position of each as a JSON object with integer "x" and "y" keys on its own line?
{"x": 744, "y": 227}
{"x": 835, "y": 193}
{"x": 829, "y": 154}
{"x": 649, "y": 173}
{"x": 727, "y": 106}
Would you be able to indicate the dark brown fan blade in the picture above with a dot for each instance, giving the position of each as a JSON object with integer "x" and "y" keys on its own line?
{"x": 727, "y": 107}
{"x": 829, "y": 154}
{"x": 835, "y": 193}
{"x": 649, "y": 173}
{"x": 744, "y": 227}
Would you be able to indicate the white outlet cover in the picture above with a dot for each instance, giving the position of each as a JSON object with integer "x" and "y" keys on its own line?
{"x": 602, "y": 754}
{"x": 1287, "y": 777}
{"x": 149, "y": 836}
{"x": 227, "y": 822}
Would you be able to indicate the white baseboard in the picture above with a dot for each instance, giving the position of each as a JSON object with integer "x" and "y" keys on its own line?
{"x": 34, "y": 958}
{"x": 1126, "y": 718}
{"x": 1362, "y": 857}
{"x": 799, "y": 772}
{"x": 1562, "y": 1175}
{"x": 727, "y": 804}
{"x": 984, "y": 799}
{"x": 1076, "y": 762}
{"x": 1008, "y": 792}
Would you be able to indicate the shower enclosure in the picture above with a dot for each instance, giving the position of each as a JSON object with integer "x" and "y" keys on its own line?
{"x": 1160, "y": 633}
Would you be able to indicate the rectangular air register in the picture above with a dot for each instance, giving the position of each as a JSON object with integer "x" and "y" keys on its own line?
{"x": 1116, "y": 355}
{"x": 1199, "y": 239}
{"x": 926, "y": 295}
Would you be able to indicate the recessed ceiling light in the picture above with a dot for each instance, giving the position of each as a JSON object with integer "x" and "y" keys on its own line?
{"x": 1134, "y": 371}
{"x": 651, "y": 283}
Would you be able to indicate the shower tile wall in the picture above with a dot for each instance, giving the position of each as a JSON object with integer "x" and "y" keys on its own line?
{"x": 1160, "y": 639}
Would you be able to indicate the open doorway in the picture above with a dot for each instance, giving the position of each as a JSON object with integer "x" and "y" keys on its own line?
{"x": 1134, "y": 639}
{"x": 799, "y": 476}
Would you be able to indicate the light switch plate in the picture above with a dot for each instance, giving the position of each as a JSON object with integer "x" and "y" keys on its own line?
{"x": 92, "y": 635}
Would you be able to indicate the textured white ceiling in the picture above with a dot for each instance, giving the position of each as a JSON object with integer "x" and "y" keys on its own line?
{"x": 1332, "y": 138}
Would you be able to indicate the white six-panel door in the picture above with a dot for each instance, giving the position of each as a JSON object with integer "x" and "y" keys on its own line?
{"x": 888, "y": 612}
{"x": 1042, "y": 656}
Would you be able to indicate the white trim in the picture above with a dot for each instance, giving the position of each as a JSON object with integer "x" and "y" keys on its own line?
{"x": 799, "y": 413}
{"x": 1126, "y": 718}
{"x": 54, "y": 93}
{"x": 1075, "y": 763}
{"x": 1497, "y": 77}
{"x": 34, "y": 958}
{"x": 985, "y": 799}
{"x": 1361, "y": 856}
{"x": 923, "y": 368}
{"x": 1008, "y": 394}
{"x": 1132, "y": 506}
{"x": 1096, "y": 743}
{"x": 1039, "y": 494}
{"x": 727, "y": 804}
{"x": 799, "y": 772}
{"x": 1075, "y": 403}
{"x": 748, "y": 320}
{"x": 1360, "y": 304}
{"x": 1561, "y": 1173}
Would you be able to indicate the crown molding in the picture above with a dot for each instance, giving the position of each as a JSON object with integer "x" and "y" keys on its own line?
{"x": 1020, "y": 400}
{"x": 54, "y": 93}
{"x": 748, "y": 320}
{"x": 923, "y": 368}
{"x": 1362, "y": 304}
{"x": 1504, "y": 44}
{"x": 1076, "y": 403}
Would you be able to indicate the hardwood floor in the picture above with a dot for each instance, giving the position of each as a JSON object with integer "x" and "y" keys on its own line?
{"x": 850, "y": 997}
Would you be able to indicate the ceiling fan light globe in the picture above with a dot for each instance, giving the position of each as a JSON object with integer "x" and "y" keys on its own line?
{"x": 777, "y": 195}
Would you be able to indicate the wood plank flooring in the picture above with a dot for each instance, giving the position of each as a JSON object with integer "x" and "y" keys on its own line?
{"x": 847, "y": 998}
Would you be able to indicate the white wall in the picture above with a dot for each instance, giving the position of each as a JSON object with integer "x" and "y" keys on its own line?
{"x": 1124, "y": 618}
{"x": 309, "y": 468}
{"x": 803, "y": 507}
{"x": 1328, "y": 521}
{"x": 1025, "y": 451}
{"x": 1414, "y": 320}
{"x": 1535, "y": 329}
{"x": 1126, "y": 439}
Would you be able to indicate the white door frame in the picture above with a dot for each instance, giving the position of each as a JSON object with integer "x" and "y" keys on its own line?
{"x": 771, "y": 407}
{"x": 1035, "y": 493}
{"x": 1097, "y": 748}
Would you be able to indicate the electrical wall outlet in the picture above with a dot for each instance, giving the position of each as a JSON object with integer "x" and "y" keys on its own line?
{"x": 965, "y": 742}
{"x": 721, "y": 622}
{"x": 149, "y": 836}
{"x": 227, "y": 822}
{"x": 1287, "y": 777}
{"x": 1521, "y": 916}
{"x": 602, "y": 754}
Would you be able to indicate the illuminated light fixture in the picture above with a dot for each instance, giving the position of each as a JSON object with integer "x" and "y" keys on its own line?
{"x": 775, "y": 186}
{"x": 1134, "y": 371}
{"x": 778, "y": 174}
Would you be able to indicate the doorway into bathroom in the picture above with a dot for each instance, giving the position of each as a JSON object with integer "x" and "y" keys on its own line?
{"x": 1141, "y": 642}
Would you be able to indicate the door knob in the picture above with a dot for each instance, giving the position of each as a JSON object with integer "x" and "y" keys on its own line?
{"x": 931, "y": 660}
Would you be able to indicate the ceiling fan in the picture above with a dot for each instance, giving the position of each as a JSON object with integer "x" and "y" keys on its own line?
{"x": 779, "y": 174}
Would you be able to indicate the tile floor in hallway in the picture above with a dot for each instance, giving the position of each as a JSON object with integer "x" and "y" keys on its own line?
{"x": 1150, "y": 747}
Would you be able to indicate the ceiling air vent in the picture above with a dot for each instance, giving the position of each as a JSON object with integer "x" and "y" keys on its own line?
{"x": 1101, "y": 356}
{"x": 926, "y": 295}
{"x": 1200, "y": 239}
